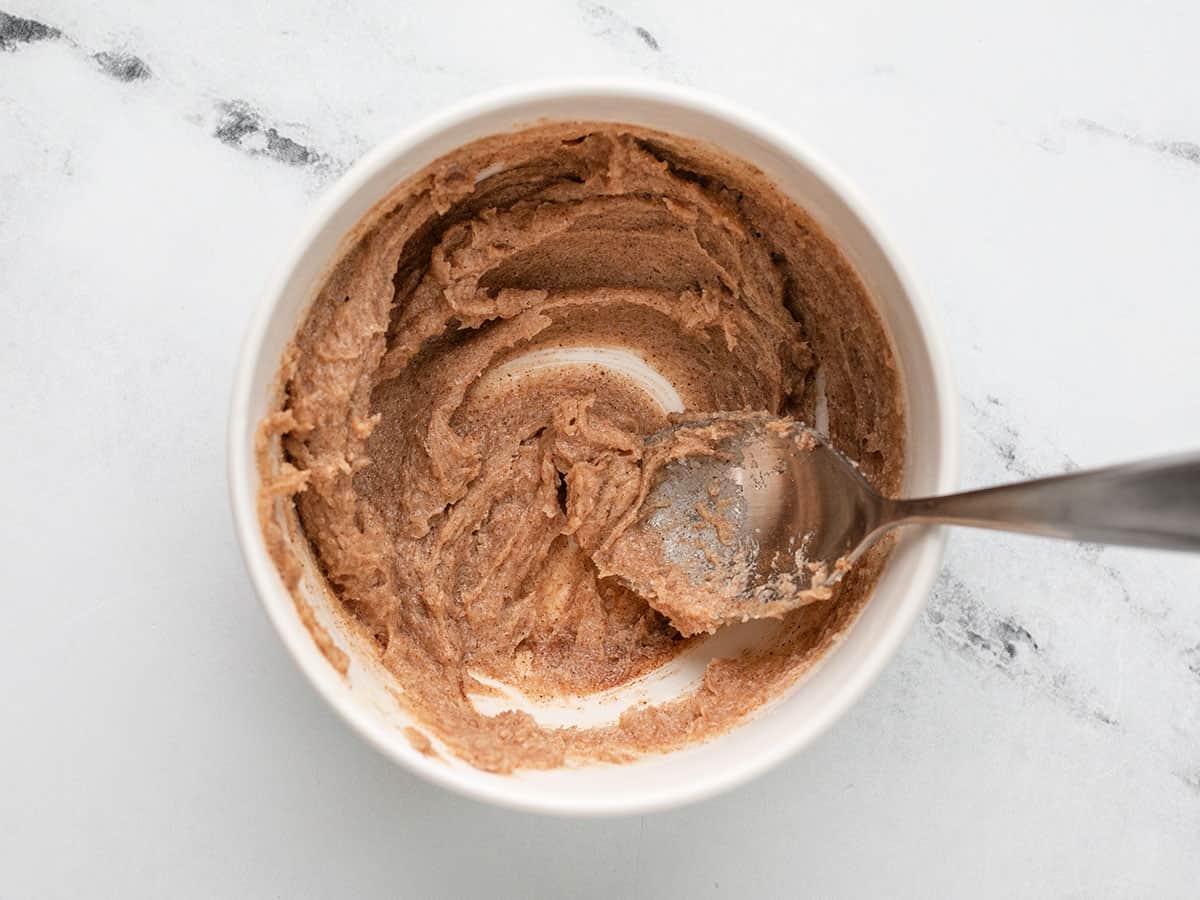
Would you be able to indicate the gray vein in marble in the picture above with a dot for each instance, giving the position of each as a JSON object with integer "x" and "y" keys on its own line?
{"x": 959, "y": 618}
{"x": 241, "y": 126}
{"x": 237, "y": 124}
{"x": 14, "y": 30}
{"x": 630, "y": 38}
{"x": 606, "y": 22}
{"x": 990, "y": 421}
{"x": 1092, "y": 555}
{"x": 963, "y": 623}
{"x": 119, "y": 64}
{"x": 122, "y": 66}
{"x": 1192, "y": 656}
{"x": 999, "y": 434}
{"x": 1187, "y": 151}
{"x": 650, "y": 40}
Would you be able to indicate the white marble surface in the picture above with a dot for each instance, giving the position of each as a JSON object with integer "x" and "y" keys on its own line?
{"x": 1038, "y": 164}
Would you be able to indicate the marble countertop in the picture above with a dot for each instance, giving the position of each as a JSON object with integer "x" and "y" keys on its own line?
{"x": 1037, "y": 164}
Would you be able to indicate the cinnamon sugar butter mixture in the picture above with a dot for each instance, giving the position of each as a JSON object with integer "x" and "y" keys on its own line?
{"x": 464, "y": 508}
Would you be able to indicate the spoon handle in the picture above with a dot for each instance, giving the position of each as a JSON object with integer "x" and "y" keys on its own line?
{"x": 1143, "y": 504}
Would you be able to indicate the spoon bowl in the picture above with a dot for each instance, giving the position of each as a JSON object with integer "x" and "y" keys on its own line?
{"x": 775, "y": 500}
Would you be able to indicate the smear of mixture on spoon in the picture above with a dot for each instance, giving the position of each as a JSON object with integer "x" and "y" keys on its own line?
{"x": 464, "y": 508}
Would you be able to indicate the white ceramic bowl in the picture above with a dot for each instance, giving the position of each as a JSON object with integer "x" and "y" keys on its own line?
{"x": 781, "y": 727}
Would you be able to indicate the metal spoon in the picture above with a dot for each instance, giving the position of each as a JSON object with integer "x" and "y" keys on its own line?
{"x": 797, "y": 512}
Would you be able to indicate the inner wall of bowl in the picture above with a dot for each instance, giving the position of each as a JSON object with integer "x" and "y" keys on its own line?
{"x": 366, "y": 695}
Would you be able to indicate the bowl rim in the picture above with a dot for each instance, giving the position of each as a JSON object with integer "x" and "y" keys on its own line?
{"x": 278, "y": 603}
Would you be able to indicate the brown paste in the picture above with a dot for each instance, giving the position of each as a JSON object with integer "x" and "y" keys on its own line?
{"x": 460, "y": 511}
